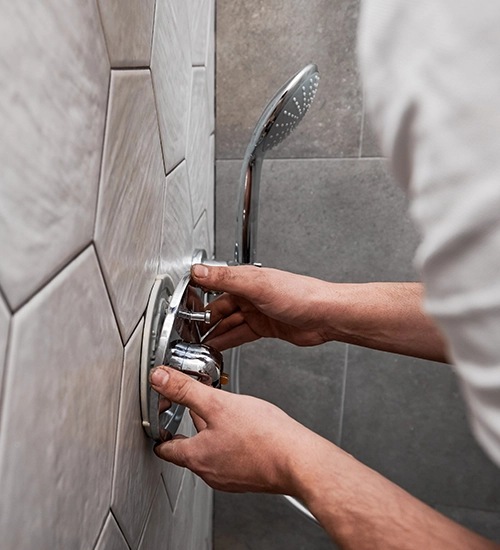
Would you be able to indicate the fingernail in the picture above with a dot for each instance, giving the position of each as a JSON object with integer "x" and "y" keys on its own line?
{"x": 158, "y": 376}
{"x": 200, "y": 271}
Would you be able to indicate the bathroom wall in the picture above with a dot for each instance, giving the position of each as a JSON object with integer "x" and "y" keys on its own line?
{"x": 106, "y": 163}
{"x": 330, "y": 209}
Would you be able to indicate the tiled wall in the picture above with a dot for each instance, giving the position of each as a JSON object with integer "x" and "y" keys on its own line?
{"x": 106, "y": 180}
{"x": 329, "y": 209}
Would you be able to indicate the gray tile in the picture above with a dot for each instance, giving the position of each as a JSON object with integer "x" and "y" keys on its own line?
{"x": 260, "y": 46}
{"x": 128, "y": 27}
{"x": 131, "y": 194}
{"x": 210, "y": 65}
{"x": 111, "y": 537}
{"x": 199, "y": 162}
{"x": 305, "y": 382}
{"x": 173, "y": 475}
{"x": 199, "y": 18}
{"x": 171, "y": 68}
{"x": 202, "y": 235}
{"x": 177, "y": 239}
{"x": 59, "y": 413}
{"x": 255, "y": 522}
{"x": 159, "y": 526}
{"x": 51, "y": 140}
{"x": 4, "y": 335}
{"x": 484, "y": 523}
{"x": 203, "y": 511}
{"x": 338, "y": 220}
{"x": 405, "y": 418}
{"x": 137, "y": 469}
{"x": 181, "y": 536}
{"x": 369, "y": 141}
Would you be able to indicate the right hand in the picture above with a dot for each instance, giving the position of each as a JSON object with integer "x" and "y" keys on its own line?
{"x": 261, "y": 302}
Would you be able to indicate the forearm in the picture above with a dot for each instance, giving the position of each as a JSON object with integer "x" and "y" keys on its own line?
{"x": 383, "y": 316}
{"x": 360, "y": 509}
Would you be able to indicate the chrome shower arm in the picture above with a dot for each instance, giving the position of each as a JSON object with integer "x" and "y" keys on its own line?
{"x": 245, "y": 248}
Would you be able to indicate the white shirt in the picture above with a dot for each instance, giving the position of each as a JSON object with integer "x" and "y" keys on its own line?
{"x": 431, "y": 70}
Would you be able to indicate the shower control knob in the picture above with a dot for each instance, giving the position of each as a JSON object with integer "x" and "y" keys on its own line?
{"x": 198, "y": 360}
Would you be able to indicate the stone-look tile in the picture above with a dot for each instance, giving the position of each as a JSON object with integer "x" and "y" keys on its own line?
{"x": 484, "y": 523}
{"x": 130, "y": 207}
{"x": 177, "y": 240}
{"x": 369, "y": 140}
{"x": 405, "y": 418}
{"x": 201, "y": 235}
{"x": 52, "y": 122}
{"x": 159, "y": 526}
{"x": 182, "y": 533}
{"x": 172, "y": 474}
{"x": 210, "y": 65}
{"x": 306, "y": 383}
{"x": 309, "y": 219}
{"x": 4, "y": 335}
{"x": 60, "y": 413}
{"x": 171, "y": 68}
{"x": 203, "y": 512}
{"x": 128, "y": 27}
{"x": 260, "y": 46}
{"x": 198, "y": 158}
{"x": 199, "y": 12}
{"x": 254, "y": 522}
{"x": 211, "y": 195}
{"x": 111, "y": 537}
{"x": 137, "y": 469}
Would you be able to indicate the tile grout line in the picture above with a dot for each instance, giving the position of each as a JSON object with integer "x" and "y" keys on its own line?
{"x": 288, "y": 159}
{"x": 342, "y": 398}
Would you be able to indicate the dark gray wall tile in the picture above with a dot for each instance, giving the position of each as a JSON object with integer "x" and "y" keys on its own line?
{"x": 339, "y": 220}
{"x": 369, "y": 142}
{"x": 243, "y": 522}
{"x": 484, "y": 523}
{"x": 405, "y": 418}
{"x": 260, "y": 45}
{"x": 305, "y": 382}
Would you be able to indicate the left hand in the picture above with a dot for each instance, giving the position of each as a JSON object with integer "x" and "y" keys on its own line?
{"x": 243, "y": 444}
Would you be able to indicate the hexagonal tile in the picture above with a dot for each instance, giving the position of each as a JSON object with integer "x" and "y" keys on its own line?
{"x": 200, "y": 165}
{"x": 137, "y": 469}
{"x": 128, "y": 27}
{"x": 111, "y": 538}
{"x": 177, "y": 240}
{"x": 199, "y": 18}
{"x": 52, "y": 106}
{"x": 60, "y": 412}
{"x": 129, "y": 214}
{"x": 4, "y": 335}
{"x": 171, "y": 68}
{"x": 159, "y": 528}
{"x": 173, "y": 475}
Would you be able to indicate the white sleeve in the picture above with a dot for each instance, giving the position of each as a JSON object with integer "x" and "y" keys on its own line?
{"x": 431, "y": 70}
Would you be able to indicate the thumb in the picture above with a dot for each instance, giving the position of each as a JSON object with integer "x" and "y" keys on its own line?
{"x": 175, "y": 450}
{"x": 181, "y": 388}
{"x": 242, "y": 280}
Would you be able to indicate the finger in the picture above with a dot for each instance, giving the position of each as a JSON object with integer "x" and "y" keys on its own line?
{"x": 241, "y": 334}
{"x": 223, "y": 306}
{"x": 181, "y": 388}
{"x": 198, "y": 421}
{"x": 174, "y": 451}
{"x": 227, "y": 324}
{"x": 246, "y": 281}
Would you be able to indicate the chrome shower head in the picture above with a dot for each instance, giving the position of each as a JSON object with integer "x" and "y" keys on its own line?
{"x": 287, "y": 108}
{"x": 281, "y": 116}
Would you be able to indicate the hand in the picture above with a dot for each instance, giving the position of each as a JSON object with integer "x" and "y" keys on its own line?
{"x": 243, "y": 444}
{"x": 261, "y": 302}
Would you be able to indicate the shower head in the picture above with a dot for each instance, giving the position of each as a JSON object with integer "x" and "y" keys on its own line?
{"x": 286, "y": 109}
{"x": 281, "y": 116}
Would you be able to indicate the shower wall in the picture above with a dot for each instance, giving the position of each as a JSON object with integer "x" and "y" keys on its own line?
{"x": 330, "y": 209}
{"x": 107, "y": 176}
